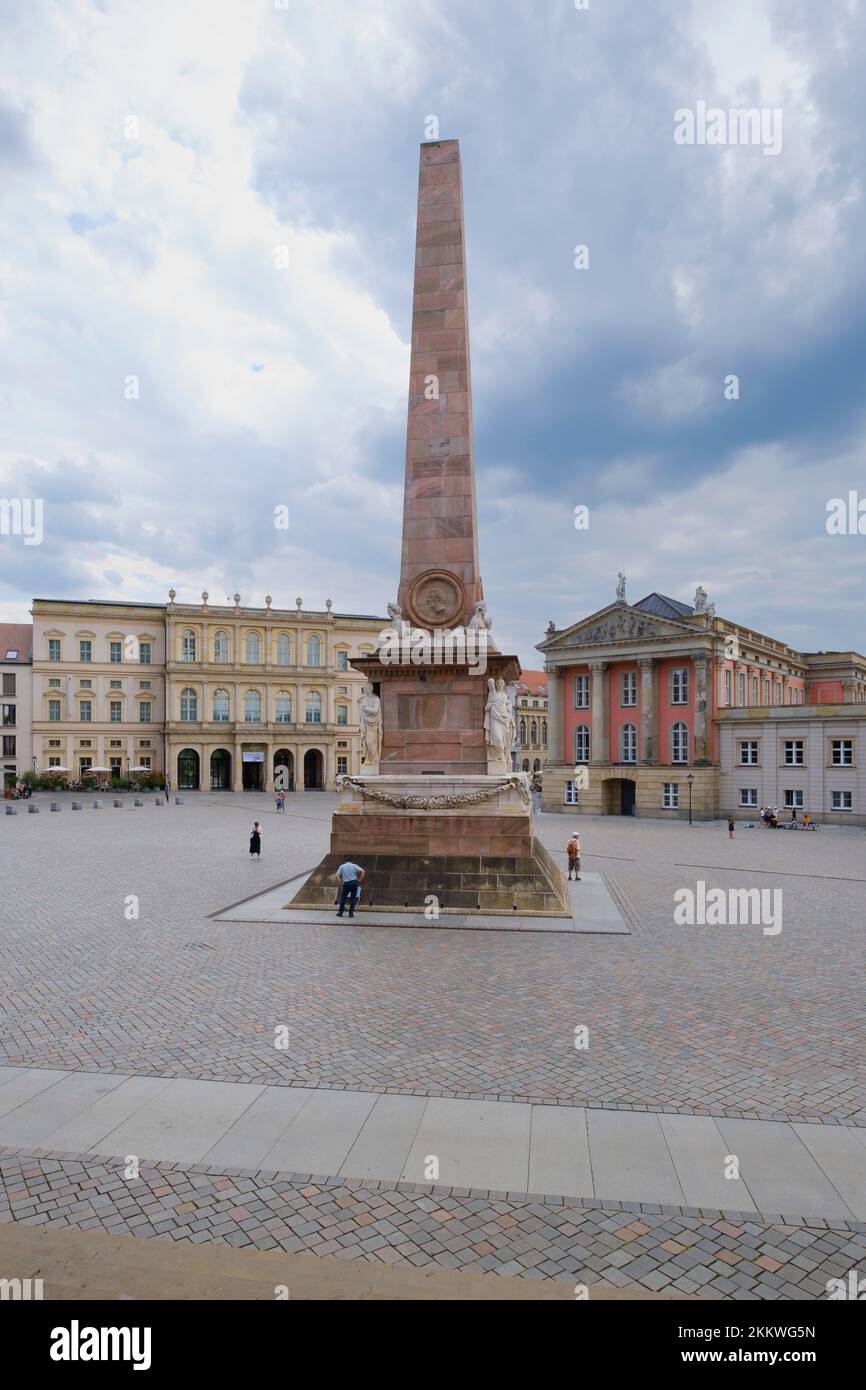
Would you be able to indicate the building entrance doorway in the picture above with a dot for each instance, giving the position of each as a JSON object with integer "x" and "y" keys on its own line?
{"x": 284, "y": 770}
{"x": 619, "y": 796}
{"x": 314, "y": 770}
{"x": 220, "y": 770}
{"x": 253, "y": 773}
{"x": 187, "y": 770}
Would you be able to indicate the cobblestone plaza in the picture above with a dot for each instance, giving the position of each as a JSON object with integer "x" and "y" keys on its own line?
{"x": 700, "y": 1020}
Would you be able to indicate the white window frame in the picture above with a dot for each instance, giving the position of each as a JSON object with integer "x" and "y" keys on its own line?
{"x": 837, "y": 797}
{"x": 581, "y": 691}
{"x": 749, "y": 797}
{"x": 680, "y": 685}
{"x": 670, "y": 796}
{"x": 628, "y": 689}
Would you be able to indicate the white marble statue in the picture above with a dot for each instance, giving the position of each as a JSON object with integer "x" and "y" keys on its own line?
{"x": 395, "y": 613}
{"x": 479, "y": 617}
{"x": 620, "y": 587}
{"x": 700, "y": 599}
{"x": 498, "y": 722}
{"x": 371, "y": 728}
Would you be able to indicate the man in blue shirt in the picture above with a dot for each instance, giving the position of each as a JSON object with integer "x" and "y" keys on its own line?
{"x": 350, "y": 877}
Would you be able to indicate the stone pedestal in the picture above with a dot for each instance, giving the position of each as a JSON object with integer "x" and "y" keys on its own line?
{"x": 465, "y": 842}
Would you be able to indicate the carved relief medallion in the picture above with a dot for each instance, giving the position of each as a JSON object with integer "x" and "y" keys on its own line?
{"x": 437, "y": 598}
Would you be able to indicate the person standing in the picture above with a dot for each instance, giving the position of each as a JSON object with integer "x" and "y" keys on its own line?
{"x": 350, "y": 877}
{"x": 730, "y": 827}
{"x": 572, "y": 849}
{"x": 167, "y": 790}
{"x": 256, "y": 840}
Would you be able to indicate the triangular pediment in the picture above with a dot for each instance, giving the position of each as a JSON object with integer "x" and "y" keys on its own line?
{"x": 619, "y": 622}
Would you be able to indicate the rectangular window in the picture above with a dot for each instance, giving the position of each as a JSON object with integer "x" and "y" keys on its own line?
{"x": 342, "y": 765}
{"x": 145, "y": 762}
{"x": 628, "y": 689}
{"x": 749, "y": 752}
{"x": 54, "y": 743}
{"x": 727, "y": 687}
{"x": 85, "y": 650}
{"x": 571, "y": 794}
{"x": 680, "y": 686}
{"x": 85, "y": 743}
{"x": 9, "y": 716}
{"x": 9, "y": 683}
{"x": 748, "y": 796}
{"x": 842, "y": 801}
{"x": 842, "y": 752}
{"x": 115, "y": 685}
{"x": 144, "y": 685}
{"x": 53, "y": 682}
{"x": 115, "y": 711}
{"x": 115, "y": 743}
{"x": 85, "y": 711}
{"x": 54, "y": 711}
{"x": 342, "y": 661}
{"x": 115, "y": 766}
{"x": 754, "y": 690}
{"x": 54, "y": 649}
{"x": 9, "y": 745}
{"x": 53, "y": 762}
{"x": 86, "y": 685}
{"x": 766, "y": 691}
{"x": 670, "y": 795}
{"x": 794, "y": 752}
{"x": 115, "y": 651}
{"x": 144, "y": 653}
{"x": 793, "y": 799}
{"x": 741, "y": 689}
{"x": 342, "y": 714}
{"x": 144, "y": 712}
{"x": 581, "y": 692}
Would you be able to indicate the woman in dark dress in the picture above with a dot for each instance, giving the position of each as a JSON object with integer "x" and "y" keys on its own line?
{"x": 256, "y": 840}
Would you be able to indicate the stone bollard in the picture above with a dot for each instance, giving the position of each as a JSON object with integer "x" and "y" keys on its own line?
{"x": 33, "y": 810}
{"x": 12, "y": 810}
{"x": 55, "y": 805}
{"x": 159, "y": 801}
{"x": 97, "y": 805}
{"x": 76, "y": 805}
{"x": 136, "y": 802}
{"x": 120, "y": 804}
{"x": 178, "y": 801}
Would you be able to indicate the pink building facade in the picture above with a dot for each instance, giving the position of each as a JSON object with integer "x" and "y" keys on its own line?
{"x": 638, "y": 696}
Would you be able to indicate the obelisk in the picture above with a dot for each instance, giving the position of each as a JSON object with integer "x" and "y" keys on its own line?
{"x": 439, "y": 578}
{"x": 437, "y": 812}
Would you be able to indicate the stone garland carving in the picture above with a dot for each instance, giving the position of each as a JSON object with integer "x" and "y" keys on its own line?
{"x": 444, "y": 801}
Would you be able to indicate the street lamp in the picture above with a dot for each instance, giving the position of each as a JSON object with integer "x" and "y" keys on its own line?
{"x": 690, "y": 779}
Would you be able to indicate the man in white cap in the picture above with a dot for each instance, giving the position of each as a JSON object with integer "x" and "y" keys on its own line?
{"x": 572, "y": 849}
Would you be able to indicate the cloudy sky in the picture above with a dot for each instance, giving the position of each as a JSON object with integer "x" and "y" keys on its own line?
{"x": 152, "y": 157}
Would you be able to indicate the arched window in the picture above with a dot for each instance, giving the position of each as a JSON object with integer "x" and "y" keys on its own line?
{"x": 313, "y": 707}
{"x": 525, "y": 764}
{"x": 533, "y": 733}
{"x": 680, "y": 743}
{"x": 628, "y": 743}
{"x": 252, "y": 706}
{"x": 187, "y": 645}
{"x": 188, "y": 704}
{"x": 220, "y": 706}
{"x": 314, "y": 650}
{"x": 252, "y": 649}
{"x": 544, "y": 733}
{"x": 522, "y": 732}
{"x": 581, "y": 744}
{"x": 284, "y": 649}
{"x": 536, "y": 766}
{"x": 221, "y": 646}
{"x": 283, "y": 707}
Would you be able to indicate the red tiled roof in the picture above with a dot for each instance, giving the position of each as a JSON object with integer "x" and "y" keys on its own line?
{"x": 16, "y": 637}
{"x": 535, "y": 682}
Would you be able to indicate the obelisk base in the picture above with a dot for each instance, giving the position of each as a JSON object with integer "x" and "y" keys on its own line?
{"x": 475, "y": 855}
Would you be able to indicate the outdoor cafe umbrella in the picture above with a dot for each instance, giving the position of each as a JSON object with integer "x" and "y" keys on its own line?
{"x": 140, "y": 768}
{"x": 61, "y": 771}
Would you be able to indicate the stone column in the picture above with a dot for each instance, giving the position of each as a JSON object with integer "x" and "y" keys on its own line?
{"x": 701, "y": 662}
{"x": 599, "y": 750}
{"x": 237, "y": 768}
{"x": 649, "y": 752}
{"x": 555, "y": 744}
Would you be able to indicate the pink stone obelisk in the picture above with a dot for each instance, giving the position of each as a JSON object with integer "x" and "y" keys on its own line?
{"x": 439, "y": 578}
